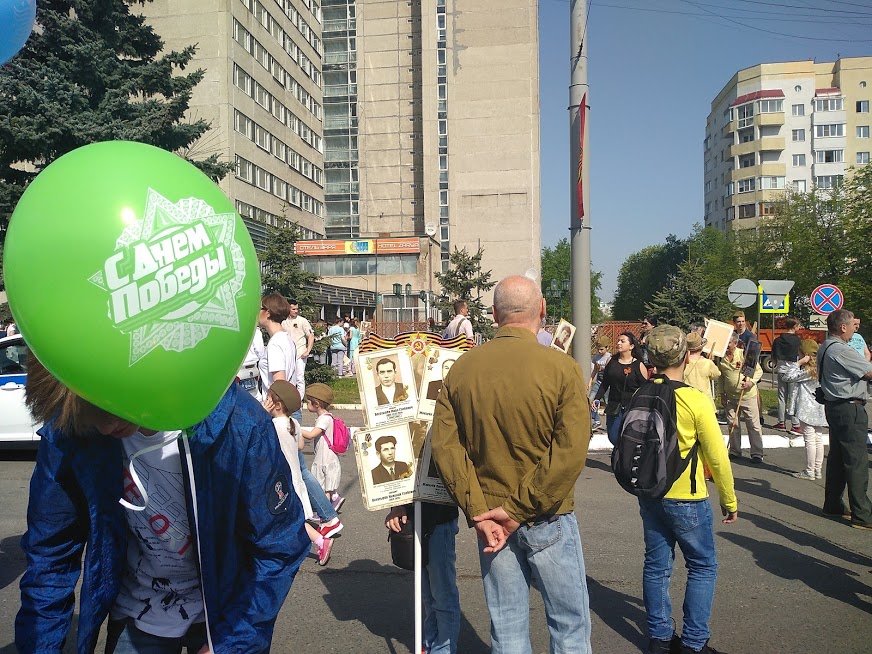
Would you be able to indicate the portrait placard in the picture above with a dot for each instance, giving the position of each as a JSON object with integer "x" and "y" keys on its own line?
{"x": 429, "y": 486}
{"x": 563, "y": 336}
{"x": 438, "y": 363}
{"x": 385, "y": 466}
{"x": 387, "y": 387}
{"x": 717, "y": 336}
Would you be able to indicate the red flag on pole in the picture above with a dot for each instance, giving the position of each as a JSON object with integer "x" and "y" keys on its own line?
{"x": 578, "y": 188}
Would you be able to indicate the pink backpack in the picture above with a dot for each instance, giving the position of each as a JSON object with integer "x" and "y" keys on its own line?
{"x": 341, "y": 436}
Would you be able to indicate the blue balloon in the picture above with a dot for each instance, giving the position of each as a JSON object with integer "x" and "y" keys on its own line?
{"x": 16, "y": 24}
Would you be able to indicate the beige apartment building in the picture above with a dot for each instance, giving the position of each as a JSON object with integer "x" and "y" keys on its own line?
{"x": 262, "y": 96}
{"x": 432, "y": 133}
{"x": 368, "y": 121}
{"x": 784, "y": 126}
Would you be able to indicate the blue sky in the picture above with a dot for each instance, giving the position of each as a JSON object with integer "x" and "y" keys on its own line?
{"x": 652, "y": 78}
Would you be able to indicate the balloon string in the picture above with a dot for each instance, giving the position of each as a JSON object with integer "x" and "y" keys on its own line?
{"x": 135, "y": 477}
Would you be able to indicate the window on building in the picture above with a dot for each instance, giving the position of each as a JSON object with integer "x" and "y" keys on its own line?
{"x": 747, "y": 160}
{"x": 862, "y": 131}
{"x": 797, "y": 110}
{"x": 799, "y": 185}
{"x": 828, "y": 181}
{"x": 862, "y": 157}
{"x": 747, "y": 210}
{"x": 798, "y": 160}
{"x": 828, "y": 104}
{"x": 829, "y": 156}
{"x": 831, "y": 129}
{"x": 771, "y": 182}
{"x": 767, "y": 209}
{"x": 797, "y": 135}
{"x": 771, "y": 106}
{"x": 862, "y": 106}
{"x": 745, "y": 114}
{"x": 745, "y": 185}
{"x": 730, "y": 212}
{"x": 746, "y": 135}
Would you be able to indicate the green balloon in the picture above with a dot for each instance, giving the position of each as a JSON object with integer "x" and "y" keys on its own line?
{"x": 134, "y": 281}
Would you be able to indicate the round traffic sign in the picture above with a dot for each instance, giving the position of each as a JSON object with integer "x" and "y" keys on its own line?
{"x": 742, "y": 293}
{"x": 827, "y": 298}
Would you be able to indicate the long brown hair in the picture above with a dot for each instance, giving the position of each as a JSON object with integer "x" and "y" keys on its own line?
{"x": 811, "y": 367}
{"x": 48, "y": 398}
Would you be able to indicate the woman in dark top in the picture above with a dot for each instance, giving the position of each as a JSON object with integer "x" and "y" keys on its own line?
{"x": 623, "y": 374}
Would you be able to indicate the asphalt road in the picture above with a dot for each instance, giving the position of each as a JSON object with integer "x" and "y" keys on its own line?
{"x": 789, "y": 581}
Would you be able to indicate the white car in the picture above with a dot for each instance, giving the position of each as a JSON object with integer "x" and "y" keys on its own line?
{"x": 17, "y": 428}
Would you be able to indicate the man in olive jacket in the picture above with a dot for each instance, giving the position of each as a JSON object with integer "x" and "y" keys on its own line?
{"x": 510, "y": 437}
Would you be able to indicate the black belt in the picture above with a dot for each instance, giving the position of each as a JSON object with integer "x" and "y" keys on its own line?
{"x": 852, "y": 400}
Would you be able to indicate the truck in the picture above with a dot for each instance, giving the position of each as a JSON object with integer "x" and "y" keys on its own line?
{"x": 765, "y": 336}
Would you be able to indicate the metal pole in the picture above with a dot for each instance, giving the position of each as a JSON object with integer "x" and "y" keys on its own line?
{"x": 579, "y": 228}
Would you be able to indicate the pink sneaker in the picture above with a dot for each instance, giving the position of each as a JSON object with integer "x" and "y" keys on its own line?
{"x": 328, "y": 530}
{"x": 324, "y": 551}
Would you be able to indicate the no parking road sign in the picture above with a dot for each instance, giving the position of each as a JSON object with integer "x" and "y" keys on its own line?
{"x": 827, "y": 298}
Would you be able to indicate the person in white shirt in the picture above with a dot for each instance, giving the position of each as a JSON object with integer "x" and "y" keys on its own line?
{"x": 461, "y": 323}
{"x": 303, "y": 335}
{"x": 281, "y": 353}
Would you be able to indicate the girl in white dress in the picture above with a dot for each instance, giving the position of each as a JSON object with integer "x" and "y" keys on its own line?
{"x": 282, "y": 400}
{"x": 810, "y": 414}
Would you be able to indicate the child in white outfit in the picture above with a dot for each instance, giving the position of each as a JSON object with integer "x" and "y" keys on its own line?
{"x": 281, "y": 401}
{"x": 326, "y": 466}
{"x": 810, "y": 414}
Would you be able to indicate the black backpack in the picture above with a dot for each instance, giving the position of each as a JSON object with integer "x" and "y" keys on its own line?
{"x": 647, "y": 460}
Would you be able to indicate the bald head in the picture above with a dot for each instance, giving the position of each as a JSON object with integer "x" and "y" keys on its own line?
{"x": 518, "y": 302}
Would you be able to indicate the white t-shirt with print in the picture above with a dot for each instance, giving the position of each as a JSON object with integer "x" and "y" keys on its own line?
{"x": 160, "y": 587}
{"x": 323, "y": 453}
{"x": 281, "y": 356}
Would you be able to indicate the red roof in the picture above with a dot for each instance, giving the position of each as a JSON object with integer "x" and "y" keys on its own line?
{"x": 833, "y": 90}
{"x": 757, "y": 95}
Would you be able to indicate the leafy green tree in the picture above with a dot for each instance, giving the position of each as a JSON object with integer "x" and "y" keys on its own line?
{"x": 92, "y": 71}
{"x": 644, "y": 273}
{"x": 687, "y": 297}
{"x": 282, "y": 269}
{"x": 465, "y": 280}
{"x": 557, "y": 267}
{"x": 819, "y": 236}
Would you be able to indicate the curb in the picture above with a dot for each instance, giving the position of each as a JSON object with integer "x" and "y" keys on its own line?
{"x": 348, "y": 407}
{"x": 600, "y": 442}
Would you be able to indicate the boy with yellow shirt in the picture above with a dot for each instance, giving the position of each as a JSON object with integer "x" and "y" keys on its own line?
{"x": 683, "y": 517}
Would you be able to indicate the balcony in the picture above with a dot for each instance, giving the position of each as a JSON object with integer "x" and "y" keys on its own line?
{"x": 340, "y": 90}
{"x": 739, "y": 149}
{"x": 729, "y": 128}
{"x": 761, "y": 170}
{"x": 775, "y": 143}
{"x": 762, "y": 120}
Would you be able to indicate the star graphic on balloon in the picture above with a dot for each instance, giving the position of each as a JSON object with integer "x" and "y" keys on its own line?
{"x": 174, "y": 275}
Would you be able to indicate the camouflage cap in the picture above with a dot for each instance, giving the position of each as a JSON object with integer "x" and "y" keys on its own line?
{"x": 666, "y": 345}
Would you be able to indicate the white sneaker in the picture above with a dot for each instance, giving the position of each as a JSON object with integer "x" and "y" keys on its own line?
{"x": 805, "y": 474}
{"x": 818, "y": 474}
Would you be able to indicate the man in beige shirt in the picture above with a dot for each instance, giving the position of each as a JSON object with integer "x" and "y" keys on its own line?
{"x": 304, "y": 337}
{"x": 510, "y": 436}
{"x": 733, "y": 385}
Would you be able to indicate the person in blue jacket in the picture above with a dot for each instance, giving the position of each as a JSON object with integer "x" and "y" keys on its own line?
{"x": 189, "y": 538}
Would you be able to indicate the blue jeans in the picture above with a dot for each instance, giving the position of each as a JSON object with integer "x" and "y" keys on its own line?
{"x": 613, "y": 426}
{"x": 548, "y": 552}
{"x": 439, "y": 591}
{"x": 320, "y": 504}
{"x": 690, "y": 524}
{"x": 123, "y": 637}
{"x": 594, "y": 413}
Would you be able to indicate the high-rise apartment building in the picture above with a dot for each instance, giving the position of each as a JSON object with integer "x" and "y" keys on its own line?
{"x": 262, "y": 95}
{"x": 783, "y": 126}
{"x": 390, "y": 131}
{"x": 431, "y": 126}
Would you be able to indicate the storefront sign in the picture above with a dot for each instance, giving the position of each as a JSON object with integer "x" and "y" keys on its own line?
{"x": 358, "y": 246}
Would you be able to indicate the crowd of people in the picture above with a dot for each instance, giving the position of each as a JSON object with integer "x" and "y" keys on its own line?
{"x": 508, "y": 447}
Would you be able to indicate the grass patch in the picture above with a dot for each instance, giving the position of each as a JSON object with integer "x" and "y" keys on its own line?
{"x": 345, "y": 391}
{"x": 768, "y": 398}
